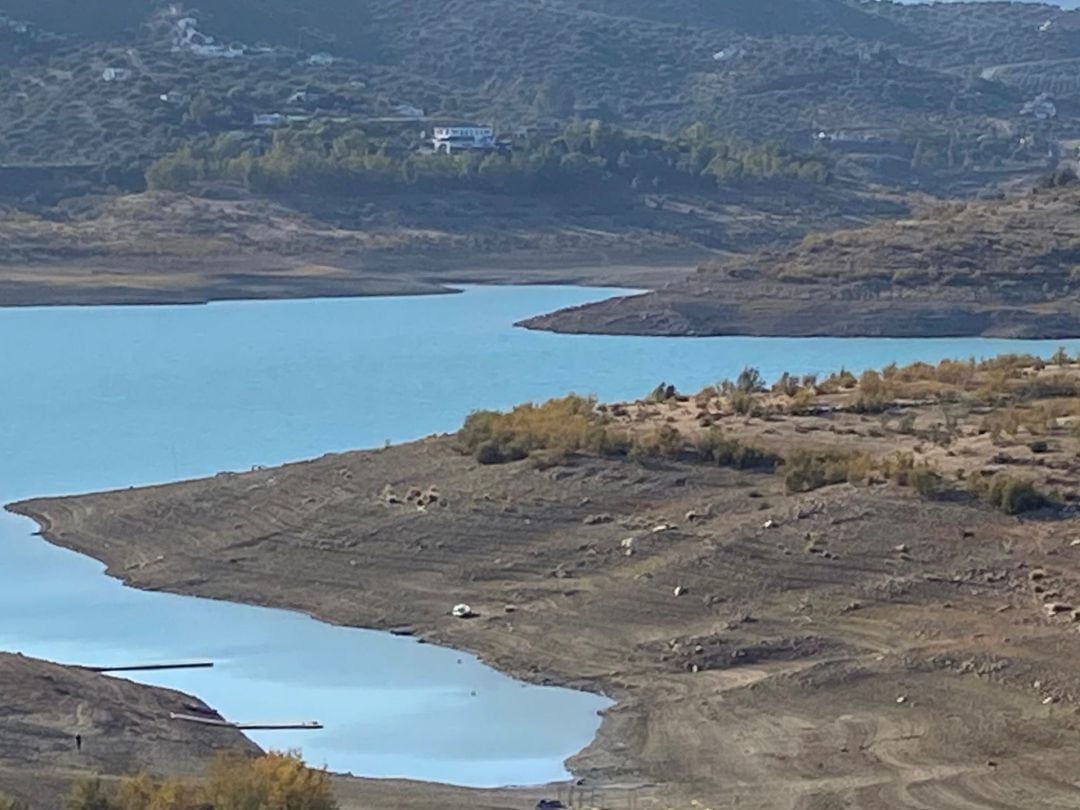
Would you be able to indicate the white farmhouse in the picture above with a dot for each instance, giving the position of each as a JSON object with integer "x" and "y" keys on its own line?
{"x": 268, "y": 119}
{"x": 1041, "y": 107}
{"x": 409, "y": 111}
{"x": 115, "y": 74}
{"x": 448, "y": 140}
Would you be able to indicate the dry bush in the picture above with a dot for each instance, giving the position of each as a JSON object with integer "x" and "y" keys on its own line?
{"x": 1014, "y": 363}
{"x": 713, "y": 446}
{"x": 664, "y": 442}
{"x": 873, "y": 393}
{"x": 1045, "y": 387}
{"x": 567, "y": 425}
{"x": 802, "y": 401}
{"x": 916, "y": 372}
{"x": 903, "y": 470}
{"x": 1013, "y": 496}
{"x": 1060, "y": 357}
{"x": 956, "y": 372}
{"x": 787, "y": 384}
{"x": 807, "y": 470}
{"x": 995, "y": 388}
{"x": 275, "y": 781}
{"x": 836, "y": 382}
{"x": 743, "y": 403}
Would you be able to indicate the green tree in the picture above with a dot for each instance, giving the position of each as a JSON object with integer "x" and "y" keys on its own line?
{"x": 555, "y": 100}
{"x": 201, "y": 110}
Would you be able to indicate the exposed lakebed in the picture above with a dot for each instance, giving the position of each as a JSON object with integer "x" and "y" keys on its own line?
{"x": 112, "y": 397}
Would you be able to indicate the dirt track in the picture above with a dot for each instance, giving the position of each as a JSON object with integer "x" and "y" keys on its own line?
{"x": 851, "y": 647}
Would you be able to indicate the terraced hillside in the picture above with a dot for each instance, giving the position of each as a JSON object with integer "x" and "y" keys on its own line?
{"x": 900, "y": 92}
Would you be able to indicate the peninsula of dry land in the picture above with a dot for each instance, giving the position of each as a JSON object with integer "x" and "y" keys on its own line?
{"x": 834, "y": 593}
{"x": 1002, "y": 268}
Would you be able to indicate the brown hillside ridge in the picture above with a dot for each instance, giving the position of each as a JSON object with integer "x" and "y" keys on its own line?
{"x": 124, "y": 728}
{"x": 168, "y": 248}
{"x": 1000, "y": 269}
{"x": 835, "y": 593}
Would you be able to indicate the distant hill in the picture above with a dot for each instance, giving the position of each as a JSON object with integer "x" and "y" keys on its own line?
{"x": 763, "y": 18}
{"x": 932, "y": 94}
{"x": 1002, "y": 268}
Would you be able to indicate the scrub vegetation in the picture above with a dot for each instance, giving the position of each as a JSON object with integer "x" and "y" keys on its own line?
{"x": 1001, "y": 402}
{"x": 275, "y": 781}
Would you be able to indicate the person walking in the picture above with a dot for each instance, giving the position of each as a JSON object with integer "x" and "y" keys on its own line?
{"x": 78, "y": 742}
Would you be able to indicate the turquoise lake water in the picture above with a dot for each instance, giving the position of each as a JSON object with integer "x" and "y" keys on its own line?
{"x": 96, "y": 398}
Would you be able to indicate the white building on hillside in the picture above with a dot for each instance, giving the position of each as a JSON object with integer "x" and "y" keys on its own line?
{"x": 1042, "y": 107}
{"x": 448, "y": 140}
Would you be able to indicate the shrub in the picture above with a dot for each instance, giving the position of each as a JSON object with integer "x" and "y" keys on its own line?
{"x": 750, "y": 381}
{"x": 662, "y": 393}
{"x": 664, "y": 442}
{"x": 567, "y": 425}
{"x": 873, "y": 393}
{"x": 1012, "y": 363}
{"x": 1002, "y": 421}
{"x": 491, "y": 452}
{"x": 955, "y": 372}
{"x": 743, "y": 402}
{"x": 234, "y": 782}
{"x": 787, "y": 384}
{"x": 1014, "y": 496}
{"x": 1045, "y": 387}
{"x": 915, "y": 372}
{"x": 715, "y": 447}
{"x": 802, "y": 401}
{"x": 1060, "y": 357}
{"x": 8, "y": 803}
{"x": 806, "y": 470}
{"x": 838, "y": 381}
{"x": 88, "y": 794}
{"x": 905, "y": 471}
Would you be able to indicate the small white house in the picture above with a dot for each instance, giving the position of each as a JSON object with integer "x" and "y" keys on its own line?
{"x": 268, "y": 119}
{"x": 1041, "y": 107}
{"x": 408, "y": 111}
{"x": 448, "y": 140}
{"x": 321, "y": 59}
{"x": 115, "y": 74}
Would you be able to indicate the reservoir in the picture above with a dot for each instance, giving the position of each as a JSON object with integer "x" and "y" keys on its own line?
{"x": 107, "y": 397}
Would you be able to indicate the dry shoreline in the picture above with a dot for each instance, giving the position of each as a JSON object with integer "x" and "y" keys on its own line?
{"x": 728, "y": 638}
{"x": 228, "y": 277}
